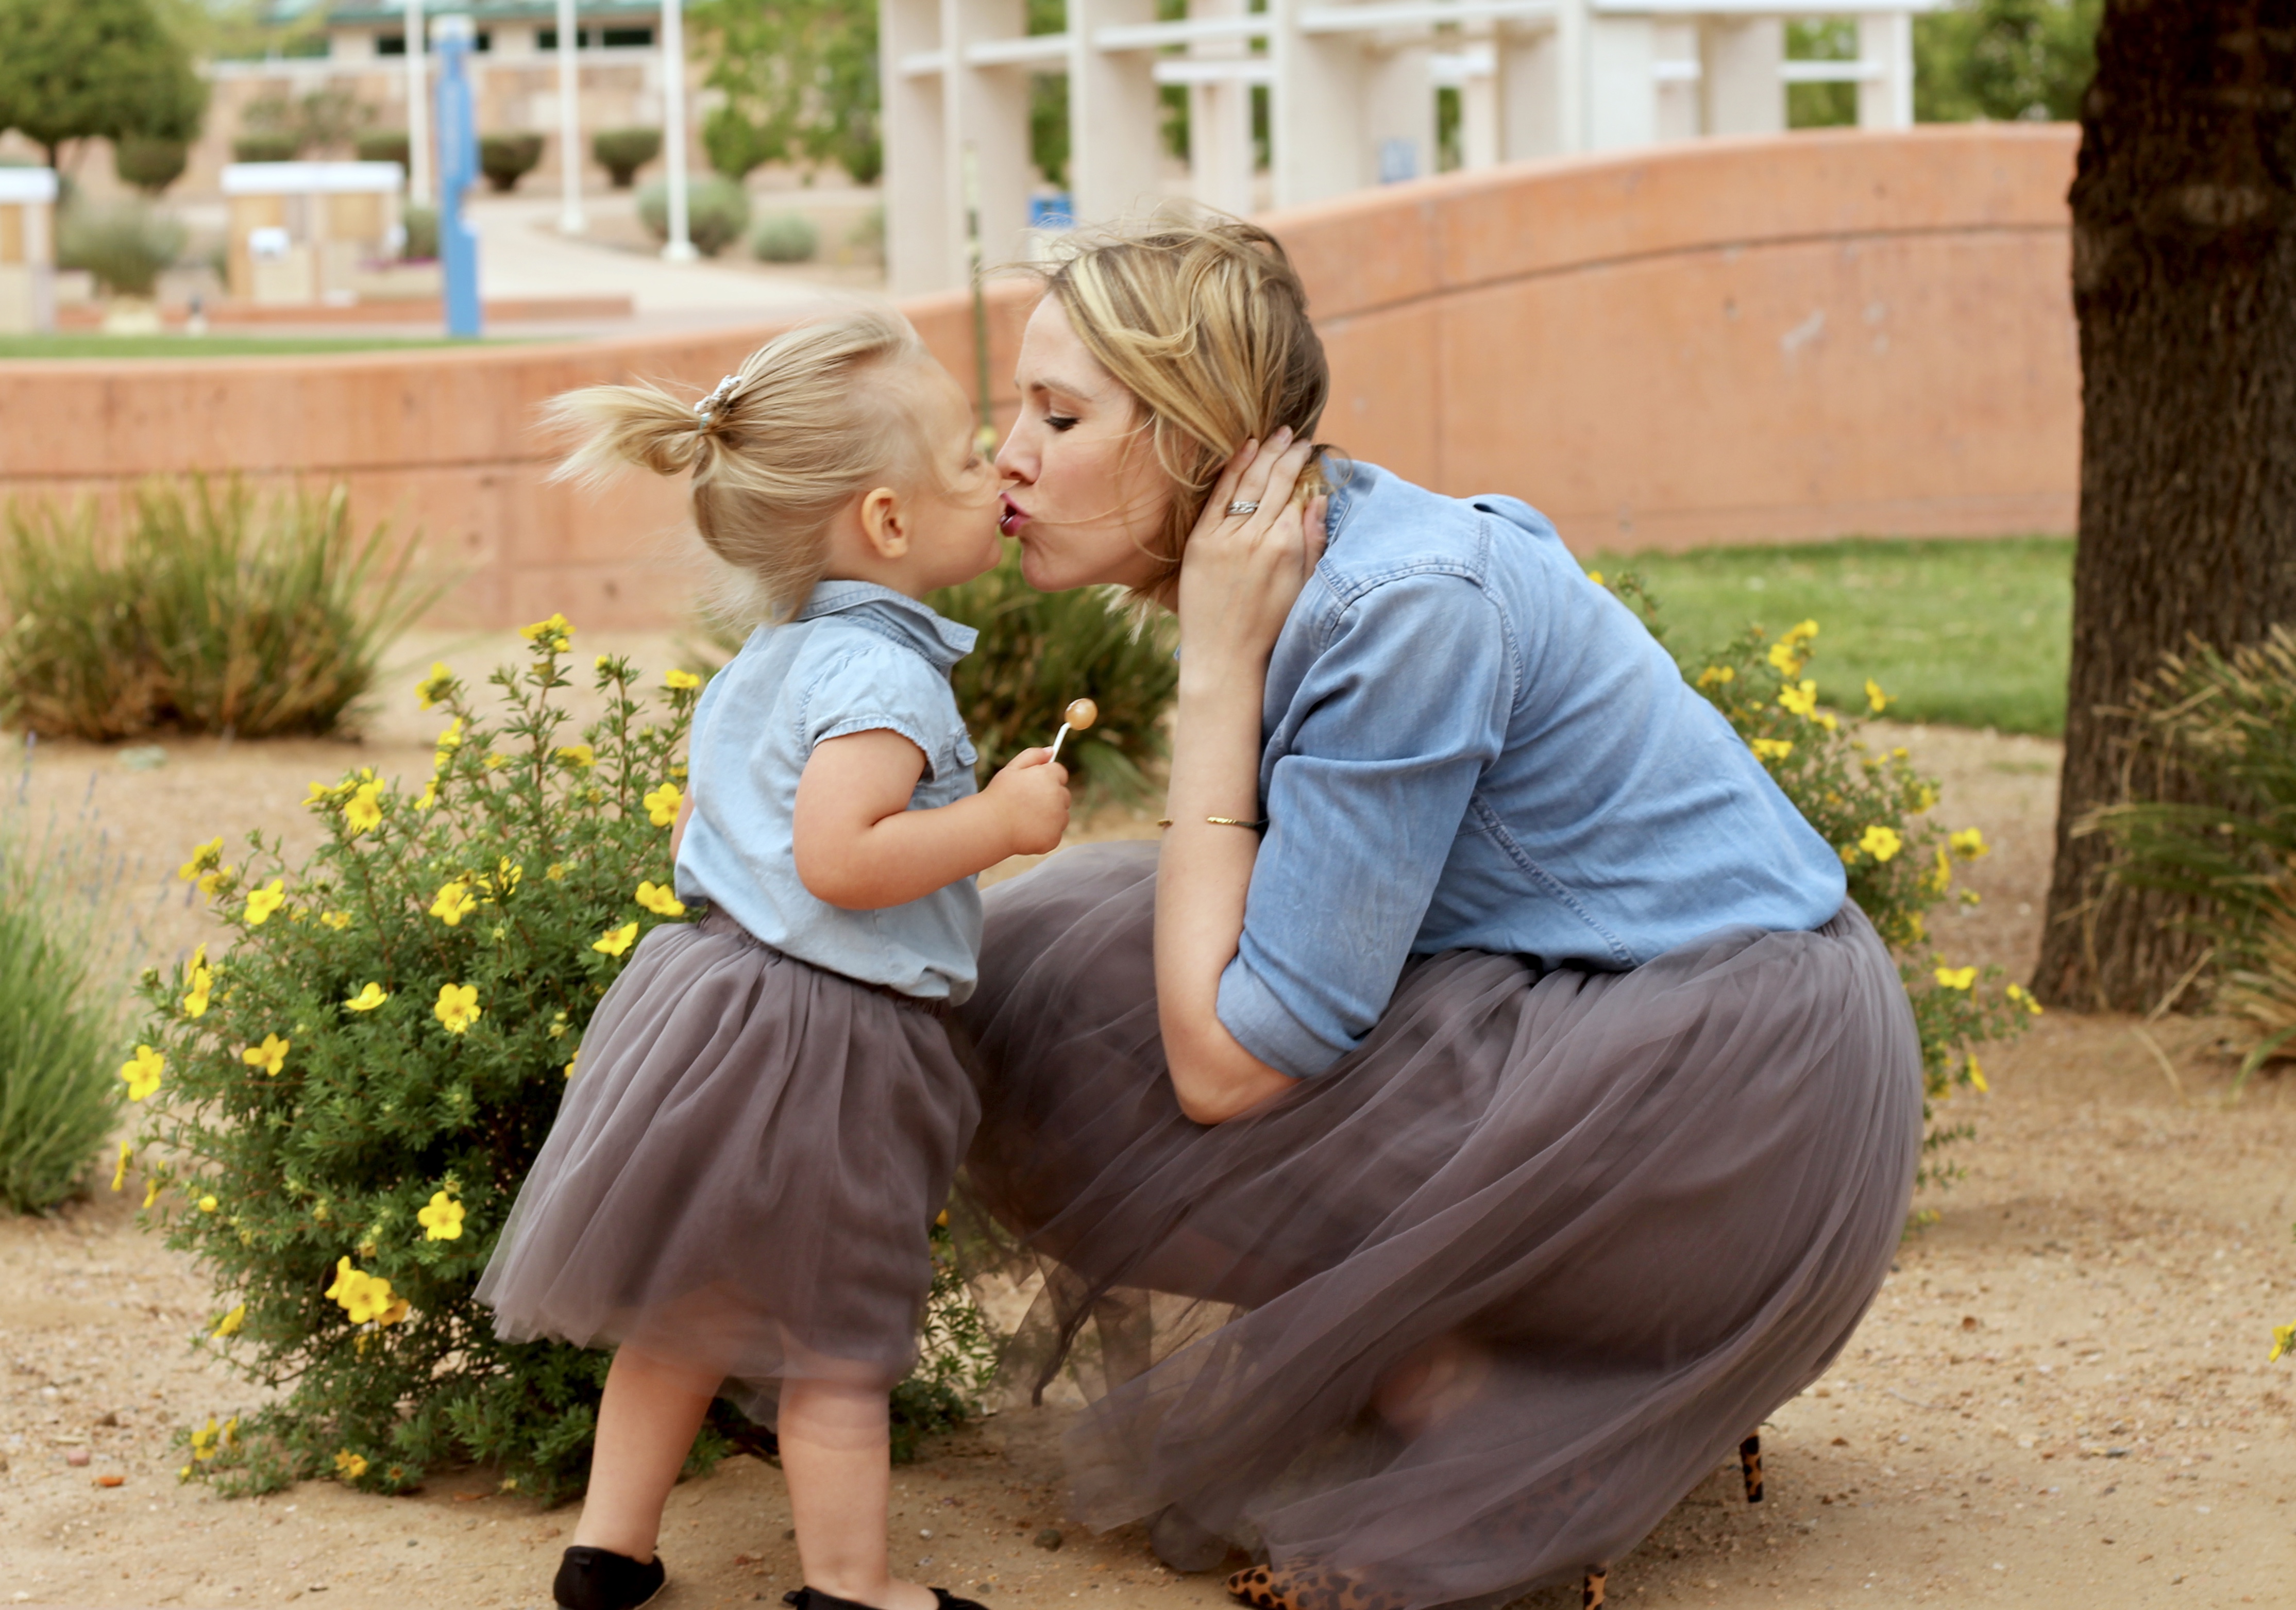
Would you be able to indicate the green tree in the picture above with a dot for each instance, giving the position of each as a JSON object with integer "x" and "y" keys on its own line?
{"x": 2005, "y": 60}
{"x": 95, "y": 68}
{"x": 799, "y": 78}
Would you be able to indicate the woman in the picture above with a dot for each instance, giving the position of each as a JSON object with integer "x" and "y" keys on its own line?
{"x": 1482, "y": 1108}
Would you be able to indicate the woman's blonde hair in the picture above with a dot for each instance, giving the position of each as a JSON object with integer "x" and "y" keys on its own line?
{"x": 807, "y": 421}
{"x": 1205, "y": 322}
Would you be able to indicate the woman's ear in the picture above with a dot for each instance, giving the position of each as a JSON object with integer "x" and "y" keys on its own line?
{"x": 884, "y": 523}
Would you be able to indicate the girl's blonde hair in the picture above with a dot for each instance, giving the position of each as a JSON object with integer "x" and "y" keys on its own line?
{"x": 806, "y": 422}
{"x": 1205, "y": 322}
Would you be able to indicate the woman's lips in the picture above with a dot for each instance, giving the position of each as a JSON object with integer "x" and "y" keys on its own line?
{"x": 1013, "y": 519}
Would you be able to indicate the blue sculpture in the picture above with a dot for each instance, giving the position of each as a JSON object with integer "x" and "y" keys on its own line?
{"x": 458, "y": 171}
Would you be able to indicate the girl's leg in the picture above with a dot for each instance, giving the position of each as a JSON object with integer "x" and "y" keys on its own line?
{"x": 646, "y": 1423}
{"x": 837, "y": 1458}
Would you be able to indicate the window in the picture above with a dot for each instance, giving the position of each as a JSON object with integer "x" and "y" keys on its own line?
{"x": 391, "y": 45}
{"x": 547, "y": 38}
{"x": 627, "y": 36}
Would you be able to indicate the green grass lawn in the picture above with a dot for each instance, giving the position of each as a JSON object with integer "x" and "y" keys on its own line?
{"x": 211, "y": 345}
{"x": 1969, "y": 632}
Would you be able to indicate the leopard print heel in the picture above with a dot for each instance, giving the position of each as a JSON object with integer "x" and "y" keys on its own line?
{"x": 1595, "y": 1589}
{"x": 1277, "y": 1587}
{"x": 1749, "y": 1460}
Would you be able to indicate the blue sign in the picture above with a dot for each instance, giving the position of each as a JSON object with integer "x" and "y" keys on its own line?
{"x": 458, "y": 171}
{"x": 1057, "y": 211}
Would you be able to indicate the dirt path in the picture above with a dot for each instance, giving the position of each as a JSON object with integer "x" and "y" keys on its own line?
{"x": 2061, "y": 1399}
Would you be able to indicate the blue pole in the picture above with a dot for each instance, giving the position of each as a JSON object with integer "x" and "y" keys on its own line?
{"x": 458, "y": 168}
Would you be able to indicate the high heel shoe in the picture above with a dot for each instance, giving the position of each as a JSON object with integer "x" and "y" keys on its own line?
{"x": 1595, "y": 1585}
{"x": 599, "y": 1578}
{"x": 1280, "y": 1588}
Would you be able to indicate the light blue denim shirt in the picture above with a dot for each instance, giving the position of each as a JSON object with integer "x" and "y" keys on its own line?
{"x": 1471, "y": 745}
{"x": 857, "y": 658}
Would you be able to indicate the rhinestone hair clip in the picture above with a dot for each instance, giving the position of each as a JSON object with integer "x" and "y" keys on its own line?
{"x": 708, "y": 405}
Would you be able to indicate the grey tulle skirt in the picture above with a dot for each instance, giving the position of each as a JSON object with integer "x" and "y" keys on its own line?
{"x": 1473, "y": 1310}
{"x": 744, "y": 1172}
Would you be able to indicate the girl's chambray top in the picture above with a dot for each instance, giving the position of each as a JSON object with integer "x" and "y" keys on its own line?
{"x": 1471, "y": 745}
{"x": 857, "y": 658}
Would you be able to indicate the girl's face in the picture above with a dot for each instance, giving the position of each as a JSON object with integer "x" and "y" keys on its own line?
{"x": 953, "y": 517}
{"x": 1083, "y": 490}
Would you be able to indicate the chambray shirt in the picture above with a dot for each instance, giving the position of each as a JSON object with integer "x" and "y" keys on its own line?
{"x": 857, "y": 658}
{"x": 1470, "y": 745}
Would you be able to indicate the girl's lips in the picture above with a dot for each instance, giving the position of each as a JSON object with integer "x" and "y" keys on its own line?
{"x": 1013, "y": 519}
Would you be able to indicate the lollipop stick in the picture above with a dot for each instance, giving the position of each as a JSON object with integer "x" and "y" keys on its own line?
{"x": 1057, "y": 739}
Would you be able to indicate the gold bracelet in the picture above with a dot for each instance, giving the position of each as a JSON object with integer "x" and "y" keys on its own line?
{"x": 1258, "y": 827}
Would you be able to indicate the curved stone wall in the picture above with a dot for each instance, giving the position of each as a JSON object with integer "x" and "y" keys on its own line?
{"x": 1823, "y": 335}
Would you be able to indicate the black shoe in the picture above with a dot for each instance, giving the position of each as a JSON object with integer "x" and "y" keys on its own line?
{"x": 599, "y": 1578}
{"x": 814, "y": 1598}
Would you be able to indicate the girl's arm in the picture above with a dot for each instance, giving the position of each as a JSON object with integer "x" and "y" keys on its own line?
{"x": 684, "y": 815}
{"x": 1237, "y": 586}
{"x": 859, "y": 846}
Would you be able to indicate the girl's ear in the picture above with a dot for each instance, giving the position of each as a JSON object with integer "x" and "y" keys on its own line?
{"x": 884, "y": 523}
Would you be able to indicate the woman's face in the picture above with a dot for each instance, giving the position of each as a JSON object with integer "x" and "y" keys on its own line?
{"x": 1083, "y": 490}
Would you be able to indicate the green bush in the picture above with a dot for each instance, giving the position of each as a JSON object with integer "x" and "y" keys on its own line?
{"x": 784, "y": 237}
{"x": 148, "y": 161}
{"x": 125, "y": 244}
{"x": 266, "y": 146}
{"x": 421, "y": 226}
{"x": 344, "y": 1104}
{"x": 2005, "y": 60}
{"x": 193, "y": 608}
{"x": 622, "y": 152}
{"x": 505, "y": 159}
{"x": 1873, "y": 808}
{"x": 383, "y": 146}
{"x": 60, "y": 940}
{"x": 717, "y": 211}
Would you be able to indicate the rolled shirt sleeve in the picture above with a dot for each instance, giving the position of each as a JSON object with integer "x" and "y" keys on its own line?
{"x": 1378, "y": 753}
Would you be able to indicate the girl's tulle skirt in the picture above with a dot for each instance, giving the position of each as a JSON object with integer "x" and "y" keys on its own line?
{"x": 744, "y": 1173}
{"x": 1470, "y": 1312}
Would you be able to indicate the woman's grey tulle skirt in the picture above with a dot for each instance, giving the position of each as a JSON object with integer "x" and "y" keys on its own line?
{"x": 1474, "y": 1309}
{"x": 743, "y": 1174}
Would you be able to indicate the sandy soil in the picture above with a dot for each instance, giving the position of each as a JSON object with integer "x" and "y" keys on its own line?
{"x": 2059, "y": 1399}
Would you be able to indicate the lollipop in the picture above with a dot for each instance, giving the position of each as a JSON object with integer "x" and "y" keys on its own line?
{"x": 1080, "y": 714}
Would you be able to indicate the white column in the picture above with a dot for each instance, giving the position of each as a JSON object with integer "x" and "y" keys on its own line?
{"x": 1220, "y": 120}
{"x": 418, "y": 108}
{"x": 1398, "y": 111}
{"x": 1115, "y": 135}
{"x": 1530, "y": 90}
{"x": 1887, "y": 101}
{"x": 1315, "y": 110}
{"x": 918, "y": 225}
{"x": 1621, "y": 90}
{"x": 1743, "y": 93}
{"x": 570, "y": 125}
{"x": 679, "y": 248}
{"x": 985, "y": 108}
{"x": 1678, "y": 110}
{"x": 1481, "y": 125}
{"x": 1574, "y": 21}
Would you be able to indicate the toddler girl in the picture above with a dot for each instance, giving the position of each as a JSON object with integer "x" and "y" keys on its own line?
{"x": 765, "y": 1115}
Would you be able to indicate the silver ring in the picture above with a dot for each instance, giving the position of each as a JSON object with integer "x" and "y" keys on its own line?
{"x": 1243, "y": 508}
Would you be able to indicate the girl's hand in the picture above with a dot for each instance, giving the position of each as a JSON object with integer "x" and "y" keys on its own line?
{"x": 1031, "y": 795}
{"x": 1242, "y": 573}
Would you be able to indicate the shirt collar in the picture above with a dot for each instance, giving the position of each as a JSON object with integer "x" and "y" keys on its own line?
{"x": 942, "y": 641}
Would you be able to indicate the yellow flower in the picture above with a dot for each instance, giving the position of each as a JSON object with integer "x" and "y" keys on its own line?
{"x": 429, "y": 796}
{"x": 262, "y": 902}
{"x": 1969, "y": 843}
{"x": 269, "y": 1057}
{"x": 204, "y": 859}
{"x": 208, "y": 1205}
{"x": 363, "y": 812}
{"x": 120, "y": 1170}
{"x": 350, "y": 1466}
{"x": 1773, "y": 749}
{"x": 203, "y": 1442}
{"x": 657, "y": 898}
{"x": 1977, "y": 1077}
{"x": 508, "y": 873}
{"x": 615, "y": 940}
{"x": 150, "y": 1192}
{"x": 554, "y": 635}
{"x": 661, "y": 804}
{"x": 1783, "y": 656}
{"x": 458, "y": 1006}
{"x": 365, "y": 1297}
{"x": 230, "y": 1323}
{"x": 2018, "y": 994}
{"x": 1876, "y": 700}
{"x": 1800, "y": 634}
{"x": 1924, "y": 797}
{"x": 556, "y": 871}
{"x": 1826, "y": 719}
{"x": 455, "y": 903}
{"x": 572, "y": 1060}
{"x": 1880, "y": 843}
{"x": 1799, "y": 699}
{"x": 2284, "y": 1340}
{"x": 142, "y": 1072}
{"x": 1714, "y": 675}
{"x": 576, "y": 754}
{"x": 679, "y": 681}
{"x": 435, "y": 686}
{"x": 1939, "y": 876}
{"x": 449, "y": 739}
{"x": 337, "y": 920}
{"x": 368, "y": 999}
{"x": 1596, "y": 577}
{"x": 202, "y": 981}
{"x": 442, "y": 1220}
{"x": 1957, "y": 978}
{"x": 216, "y": 880}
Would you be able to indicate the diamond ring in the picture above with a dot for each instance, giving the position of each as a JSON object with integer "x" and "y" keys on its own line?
{"x": 1243, "y": 508}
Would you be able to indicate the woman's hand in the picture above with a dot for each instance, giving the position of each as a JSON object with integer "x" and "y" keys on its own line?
{"x": 1242, "y": 573}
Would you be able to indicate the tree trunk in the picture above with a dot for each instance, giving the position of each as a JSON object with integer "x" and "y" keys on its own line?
{"x": 2184, "y": 286}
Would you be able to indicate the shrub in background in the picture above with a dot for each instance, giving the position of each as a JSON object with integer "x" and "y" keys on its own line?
{"x": 421, "y": 226}
{"x": 196, "y": 608}
{"x": 61, "y": 942}
{"x": 343, "y": 1104}
{"x": 125, "y": 244}
{"x": 150, "y": 162}
{"x": 784, "y": 237}
{"x": 505, "y": 159}
{"x": 717, "y": 211}
{"x": 265, "y": 145}
{"x": 383, "y": 146}
{"x": 622, "y": 152}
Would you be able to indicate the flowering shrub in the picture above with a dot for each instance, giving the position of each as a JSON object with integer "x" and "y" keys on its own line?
{"x": 1874, "y": 808}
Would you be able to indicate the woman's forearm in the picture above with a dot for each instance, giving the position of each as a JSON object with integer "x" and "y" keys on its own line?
{"x": 1202, "y": 880}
